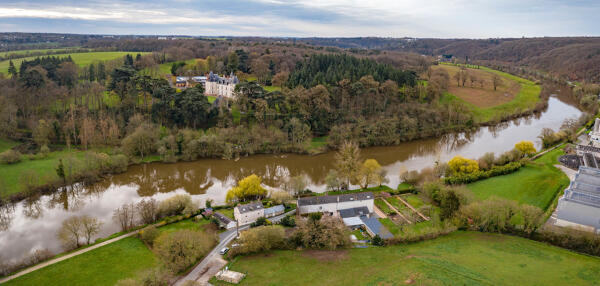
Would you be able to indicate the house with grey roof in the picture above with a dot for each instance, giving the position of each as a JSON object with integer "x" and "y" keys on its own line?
{"x": 333, "y": 204}
{"x": 248, "y": 213}
{"x": 274, "y": 211}
{"x": 361, "y": 217}
{"x": 220, "y": 85}
{"x": 579, "y": 207}
{"x": 224, "y": 221}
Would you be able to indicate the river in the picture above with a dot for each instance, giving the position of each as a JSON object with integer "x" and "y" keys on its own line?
{"x": 32, "y": 224}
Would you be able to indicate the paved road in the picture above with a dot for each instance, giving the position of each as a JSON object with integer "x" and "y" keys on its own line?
{"x": 224, "y": 239}
{"x": 56, "y": 260}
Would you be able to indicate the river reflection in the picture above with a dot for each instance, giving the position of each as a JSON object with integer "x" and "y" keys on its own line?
{"x": 32, "y": 224}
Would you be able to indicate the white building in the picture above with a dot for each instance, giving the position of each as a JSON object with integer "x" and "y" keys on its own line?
{"x": 595, "y": 133}
{"x": 224, "y": 221}
{"x": 220, "y": 86}
{"x": 579, "y": 207}
{"x": 248, "y": 213}
{"x": 333, "y": 204}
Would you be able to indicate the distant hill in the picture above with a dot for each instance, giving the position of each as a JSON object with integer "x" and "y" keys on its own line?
{"x": 576, "y": 58}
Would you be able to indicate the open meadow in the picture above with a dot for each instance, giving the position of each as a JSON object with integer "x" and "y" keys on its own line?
{"x": 461, "y": 258}
{"x": 536, "y": 183}
{"x": 81, "y": 59}
{"x": 513, "y": 95}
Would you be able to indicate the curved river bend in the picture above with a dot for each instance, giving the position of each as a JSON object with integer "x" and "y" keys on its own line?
{"x": 32, "y": 224}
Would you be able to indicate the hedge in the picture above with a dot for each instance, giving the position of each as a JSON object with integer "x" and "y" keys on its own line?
{"x": 480, "y": 175}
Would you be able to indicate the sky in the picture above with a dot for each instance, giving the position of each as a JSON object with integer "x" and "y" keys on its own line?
{"x": 304, "y": 18}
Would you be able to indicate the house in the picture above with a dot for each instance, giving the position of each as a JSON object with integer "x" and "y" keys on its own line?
{"x": 224, "y": 221}
{"x": 274, "y": 211}
{"x": 579, "y": 207}
{"x": 595, "y": 134}
{"x": 333, "y": 204}
{"x": 248, "y": 213}
{"x": 220, "y": 86}
{"x": 361, "y": 218}
{"x": 189, "y": 81}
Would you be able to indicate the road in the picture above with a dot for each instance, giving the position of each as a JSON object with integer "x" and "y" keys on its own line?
{"x": 205, "y": 269}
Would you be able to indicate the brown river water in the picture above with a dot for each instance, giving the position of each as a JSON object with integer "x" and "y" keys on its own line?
{"x": 32, "y": 224}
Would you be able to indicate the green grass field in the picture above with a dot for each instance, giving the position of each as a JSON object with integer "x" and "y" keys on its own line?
{"x": 6, "y": 144}
{"x": 536, "y": 184}
{"x": 413, "y": 200}
{"x": 270, "y": 88}
{"x": 227, "y": 212}
{"x": 528, "y": 96}
{"x": 461, "y": 258}
{"x": 103, "y": 266}
{"x": 13, "y": 176}
{"x": 81, "y": 59}
{"x": 45, "y": 51}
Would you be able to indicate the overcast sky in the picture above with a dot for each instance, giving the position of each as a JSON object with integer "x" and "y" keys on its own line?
{"x": 303, "y": 18}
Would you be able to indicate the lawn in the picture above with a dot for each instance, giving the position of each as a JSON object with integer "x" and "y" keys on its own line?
{"x": 6, "y": 144}
{"x": 318, "y": 143}
{"x": 461, "y": 258}
{"x": 14, "y": 177}
{"x": 102, "y": 266}
{"x": 536, "y": 184}
{"x": 382, "y": 206}
{"x": 526, "y": 98}
{"x": 271, "y": 88}
{"x": 81, "y": 59}
{"x": 45, "y": 51}
{"x": 227, "y": 212}
{"x": 413, "y": 200}
{"x": 211, "y": 98}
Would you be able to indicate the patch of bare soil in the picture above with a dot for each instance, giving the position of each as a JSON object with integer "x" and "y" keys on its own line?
{"x": 484, "y": 98}
{"x": 326, "y": 255}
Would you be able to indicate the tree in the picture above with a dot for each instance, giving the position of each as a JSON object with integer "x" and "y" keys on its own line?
{"x": 12, "y": 71}
{"x": 463, "y": 165}
{"x": 496, "y": 81}
{"x": 125, "y": 216}
{"x": 328, "y": 232}
{"x": 177, "y": 204}
{"x": 141, "y": 142}
{"x": 181, "y": 249}
{"x": 333, "y": 181}
{"x": 280, "y": 78}
{"x": 60, "y": 170}
{"x": 148, "y": 210}
{"x": 90, "y": 227}
{"x": 70, "y": 232}
{"x": 378, "y": 241}
{"x": 247, "y": 189}
{"x": 41, "y": 133}
{"x": 297, "y": 184}
{"x": 457, "y": 77}
{"x": 232, "y": 62}
{"x": 449, "y": 205}
{"x": 526, "y": 147}
{"x": 347, "y": 161}
{"x": 298, "y": 132}
{"x": 370, "y": 172}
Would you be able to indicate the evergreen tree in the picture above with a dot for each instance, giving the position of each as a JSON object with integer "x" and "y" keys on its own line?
{"x": 91, "y": 72}
{"x": 11, "y": 69}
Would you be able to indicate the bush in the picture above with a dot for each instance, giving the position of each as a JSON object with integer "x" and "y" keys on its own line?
{"x": 288, "y": 221}
{"x": 181, "y": 249}
{"x": 463, "y": 178}
{"x": 260, "y": 239}
{"x": 461, "y": 165}
{"x": 377, "y": 240}
{"x": 177, "y": 204}
{"x": 149, "y": 234}
{"x": 500, "y": 215}
{"x": 260, "y": 221}
{"x": 10, "y": 157}
{"x": 328, "y": 232}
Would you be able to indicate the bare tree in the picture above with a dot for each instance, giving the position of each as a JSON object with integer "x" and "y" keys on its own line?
{"x": 148, "y": 210}
{"x": 91, "y": 226}
{"x": 496, "y": 81}
{"x": 70, "y": 232}
{"x": 125, "y": 216}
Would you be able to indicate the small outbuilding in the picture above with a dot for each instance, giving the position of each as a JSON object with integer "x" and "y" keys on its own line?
{"x": 224, "y": 221}
{"x": 230, "y": 276}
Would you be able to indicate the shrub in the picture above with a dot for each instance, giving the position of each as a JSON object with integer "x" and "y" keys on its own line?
{"x": 10, "y": 157}
{"x": 328, "y": 232}
{"x": 463, "y": 178}
{"x": 176, "y": 204}
{"x": 281, "y": 197}
{"x": 181, "y": 249}
{"x": 500, "y": 215}
{"x": 260, "y": 239}
{"x": 149, "y": 234}
{"x": 260, "y": 221}
{"x": 525, "y": 147}
{"x": 461, "y": 165}
{"x": 377, "y": 240}
{"x": 288, "y": 221}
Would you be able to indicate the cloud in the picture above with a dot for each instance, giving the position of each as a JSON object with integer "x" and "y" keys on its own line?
{"x": 387, "y": 18}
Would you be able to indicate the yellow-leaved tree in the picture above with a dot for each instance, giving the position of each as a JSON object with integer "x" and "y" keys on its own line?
{"x": 370, "y": 173}
{"x": 248, "y": 188}
{"x": 459, "y": 164}
{"x": 526, "y": 147}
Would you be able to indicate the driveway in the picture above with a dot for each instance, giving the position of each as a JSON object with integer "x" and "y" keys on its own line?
{"x": 213, "y": 262}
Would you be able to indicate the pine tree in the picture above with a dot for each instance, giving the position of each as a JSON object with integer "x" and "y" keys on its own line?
{"x": 11, "y": 69}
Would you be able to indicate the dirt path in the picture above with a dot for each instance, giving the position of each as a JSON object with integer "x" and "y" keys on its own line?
{"x": 413, "y": 209}
{"x": 59, "y": 259}
{"x": 394, "y": 209}
{"x": 379, "y": 212}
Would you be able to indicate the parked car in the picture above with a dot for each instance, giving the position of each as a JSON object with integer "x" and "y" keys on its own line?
{"x": 224, "y": 250}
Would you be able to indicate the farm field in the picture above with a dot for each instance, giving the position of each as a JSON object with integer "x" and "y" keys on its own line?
{"x": 514, "y": 95}
{"x": 461, "y": 258}
{"x": 536, "y": 184}
{"x": 46, "y": 51}
{"x": 81, "y": 59}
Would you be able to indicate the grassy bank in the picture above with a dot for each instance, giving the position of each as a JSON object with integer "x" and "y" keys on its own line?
{"x": 461, "y": 258}
{"x": 535, "y": 183}
{"x": 106, "y": 265}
